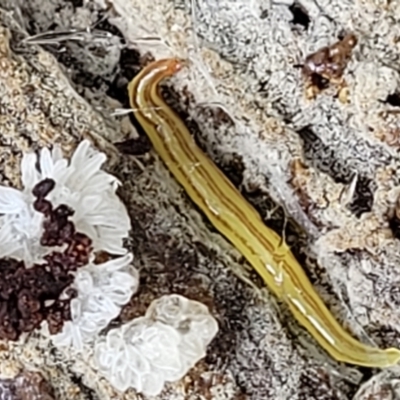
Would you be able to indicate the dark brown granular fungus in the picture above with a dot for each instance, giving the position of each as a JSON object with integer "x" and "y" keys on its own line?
{"x": 29, "y": 296}
{"x": 26, "y": 386}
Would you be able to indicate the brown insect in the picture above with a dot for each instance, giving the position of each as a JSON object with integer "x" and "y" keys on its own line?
{"x": 328, "y": 63}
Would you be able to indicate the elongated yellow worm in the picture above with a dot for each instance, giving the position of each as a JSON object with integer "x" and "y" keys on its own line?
{"x": 239, "y": 222}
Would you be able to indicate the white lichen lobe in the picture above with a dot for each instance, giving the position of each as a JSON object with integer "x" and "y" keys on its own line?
{"x": 160, "y": 347}
{"x": 103, "y": 289}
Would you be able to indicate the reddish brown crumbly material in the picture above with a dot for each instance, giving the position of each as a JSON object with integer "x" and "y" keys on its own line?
{"x": 30, "y": 295}
{"x": 328, "y": 64}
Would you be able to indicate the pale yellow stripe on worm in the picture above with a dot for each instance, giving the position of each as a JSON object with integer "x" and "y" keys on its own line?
{"x": 239, "y": 222}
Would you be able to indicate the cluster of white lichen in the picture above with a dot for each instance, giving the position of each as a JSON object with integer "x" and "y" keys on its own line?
{"x": 144, "y": 353}
{"x": 158, "y": 347}
{"x": 103, "y": 289}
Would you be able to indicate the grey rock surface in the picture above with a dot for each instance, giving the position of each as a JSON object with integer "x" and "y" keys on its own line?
{"x": 331, "y": 166}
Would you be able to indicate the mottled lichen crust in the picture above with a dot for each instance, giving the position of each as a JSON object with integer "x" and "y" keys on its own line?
{"x": 254, "y": 356}
{"x": 37, "y": 107}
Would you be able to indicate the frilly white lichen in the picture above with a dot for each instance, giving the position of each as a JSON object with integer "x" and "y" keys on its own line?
{"x": 102, "y": 291}
{"x": 159, "y": 347}
{"x": 79, "y": 184}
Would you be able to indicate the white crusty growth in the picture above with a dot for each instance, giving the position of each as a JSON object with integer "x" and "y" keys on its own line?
{"x": 102, "y": 290}
{"x": 160, "y": 347}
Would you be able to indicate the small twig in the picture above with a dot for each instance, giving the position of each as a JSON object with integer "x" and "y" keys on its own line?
{"x": 118, "y": 112}
{"x": 79, "y": 35}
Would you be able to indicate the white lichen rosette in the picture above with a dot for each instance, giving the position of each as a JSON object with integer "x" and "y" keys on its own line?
{"x": 80, "y": 184}
{"x": 191, "y": 319}
{"x": 103, "y": 289}
{"x": 160, "y": 347}
{"x": 141, "y": 354}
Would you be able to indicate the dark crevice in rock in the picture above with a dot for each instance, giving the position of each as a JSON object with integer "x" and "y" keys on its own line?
{"x": 363, "y": 197}
{"x": 76, "y": 3}
{"x": 264, "y": 14}
{"x": 319, "y": 81}
{"x": 394, "y": 224}
{"x": 135, "y": 147}
{"x": 300, "y": 16}
{"x": 324, "y": 159}
{"x": 89, "y": 394}
{"x": 128, "y": 68}
{"x": 393, "y": 100}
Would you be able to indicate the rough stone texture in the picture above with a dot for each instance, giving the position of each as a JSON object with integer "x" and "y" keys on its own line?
{"x": 26, "y": 386}
{"x": 244, "y": 98}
